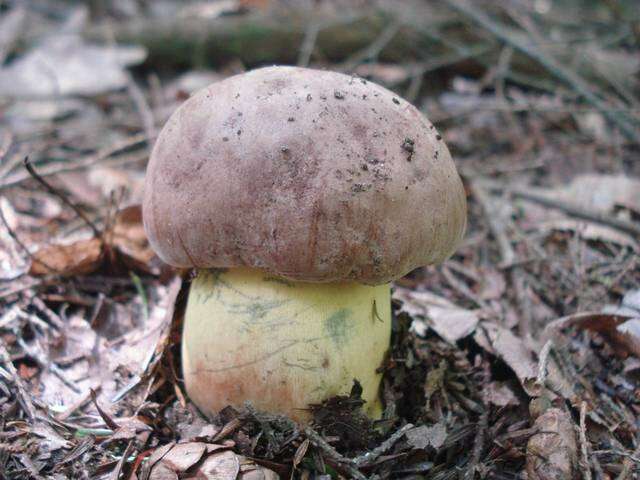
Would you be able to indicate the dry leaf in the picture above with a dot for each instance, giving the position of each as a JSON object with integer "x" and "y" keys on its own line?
{"x": 183, "y": 456}
{"x": 598, "y": 193}
{"x": 130, "y": 239}
{"x": 220, "y": 466}
{"x": 64, "y": 64}
{"x": 427, "y": 436}
{"x": 591, "y": 231}
{"x": 79, "y": 258}
{"x": 500, "y": 342}
{"x": 385, "y": 73}
{"x": 621, "y": 331}
{"x": 551, "y": 453}
{"x": 125, "y": 243}
{"x": 500, "y": 394}
{"x": 204, "y": 461}
{"x": 449, "y": 321}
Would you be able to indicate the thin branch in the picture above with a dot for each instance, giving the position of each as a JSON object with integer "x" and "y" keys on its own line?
{"x": 80, "y": 163}
{"x": 498, "y": 229}
{"x": 16, "y": 239}
{"x": 61, "y": 196}
{"x": 142, "y": 106}
{"x": 374, "y": 49}
{"x": 576, "y": 211}
{"x": 348, "y": 464}
{"x": 370, "y": 457}
{"x": 567, "y": 76}
{"x": 584, "y": 443}
{"x": 23, "y": 396}
{"x": 309, "y": 42}
{"x": 483, "y": 426}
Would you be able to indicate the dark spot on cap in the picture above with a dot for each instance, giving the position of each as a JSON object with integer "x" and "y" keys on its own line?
{"x": 291, "y": 119}
{"x": 309, "y": 97}
{"x": 396, "y": 101}
{"x": 408, "y": 144}
{"x": 360, "y": 187}
{"x": 338, "y": 94}
{"x": 438, "y": 137}
{"x": 225, "y": 139}
{"x": 284, "y": 149}
{"x": 239, "y": 132}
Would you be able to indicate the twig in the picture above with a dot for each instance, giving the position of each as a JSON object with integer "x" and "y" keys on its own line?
{"x": 462, "y": 288}
{"x": 78, "y": 164}
{"x": 76, "y": 405}
{"x": 584, "y": 445}
{"x": 52, "y": 316}
{"x": 46, "y": 364}
{"x": 543, "y": 361}
{"x": 497, "y": 227}
{"x": 115, "y": 474}
{"x": 228, "y": 428}
{"x": 628, "y": 464}
{"x": 374, "y": 49}
{"x": 106, "y": 418}
{"x": 507, "y": 254}
{"x": 16, "y": 239}
{"x": 332, "y": 453}
{"x": 23, "y": 396}
{"x": 625, "y": 226}
{"x": 551, "y": 64}
{"x": 309, "y": 42}
{"x": 570, "y": 209}
{"x": 370, "y": 457}
{"x": 140, "y": 102}
{"x": 483, "y": 426}
{"x": 33, "y": 470}
{"x": 61, "y": 196}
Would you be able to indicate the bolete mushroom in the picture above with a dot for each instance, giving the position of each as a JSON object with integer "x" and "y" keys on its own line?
{"x": 298, "y": 195}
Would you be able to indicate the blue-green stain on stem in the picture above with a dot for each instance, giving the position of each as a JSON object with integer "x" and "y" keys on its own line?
{"x": 338, "y": 326}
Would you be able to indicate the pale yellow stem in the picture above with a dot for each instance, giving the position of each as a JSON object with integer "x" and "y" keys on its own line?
{"x": 282, "y": 345}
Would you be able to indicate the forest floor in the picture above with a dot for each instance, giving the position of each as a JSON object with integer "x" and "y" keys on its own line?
{"x": 517, "y": 358}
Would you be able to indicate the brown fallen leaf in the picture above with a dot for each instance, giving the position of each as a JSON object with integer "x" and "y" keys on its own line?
{"x": 449, "y": 321}
{"x": 123, "y": 246}
{"x": 130, "y": 239}
{"x": 621, "y": 331}
{"x": 552, "y": 452}
{"x": 79, "y": 258}
{"x": 499, "y": 341}
{"x": 206, "y": 461}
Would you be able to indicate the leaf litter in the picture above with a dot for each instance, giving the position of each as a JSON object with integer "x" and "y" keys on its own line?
{"x": 519, "y": 356}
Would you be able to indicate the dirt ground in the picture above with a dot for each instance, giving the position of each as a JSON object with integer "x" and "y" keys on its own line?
{"x": 517, "y": 358}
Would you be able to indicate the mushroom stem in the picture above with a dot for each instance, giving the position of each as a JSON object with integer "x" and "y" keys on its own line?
{"x": 282, "y": 345}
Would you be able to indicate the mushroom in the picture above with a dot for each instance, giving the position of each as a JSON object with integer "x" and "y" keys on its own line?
{"x": 298, "y": 195}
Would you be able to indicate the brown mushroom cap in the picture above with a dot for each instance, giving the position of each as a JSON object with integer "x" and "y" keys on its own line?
{"x": 309, "y": 175}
